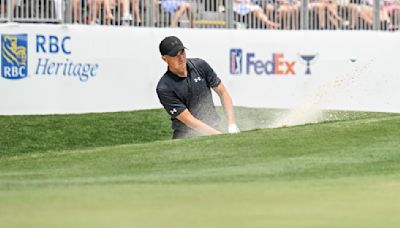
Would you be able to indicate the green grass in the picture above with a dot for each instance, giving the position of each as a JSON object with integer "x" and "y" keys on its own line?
{"x": 26, "y": 134}
{"x": 34, "y": 134}
{"x": 343, "y": 172}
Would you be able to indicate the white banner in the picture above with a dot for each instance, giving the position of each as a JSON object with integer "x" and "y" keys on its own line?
{"x": 77, "y": 69}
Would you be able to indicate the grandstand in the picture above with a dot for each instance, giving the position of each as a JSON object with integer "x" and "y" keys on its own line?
{"x": 237, "y": 14}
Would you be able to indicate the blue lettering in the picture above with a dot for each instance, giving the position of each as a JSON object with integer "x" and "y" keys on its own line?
{"x": 79, "y": 70}
{"x": 70, "y": 68}
{"x": 50, "y": 68}
{"x": 53, "y": 44}
{"x": 271, "y": 63}
{"x": 249, "y": 62}
{"x": 93, "y": 70}
{"x": 42, "y": 65}
{"x": 40, "y": 42}
{"x": 259, "y": 67}
{"x": 63, "y": 45}
{"x": 59, "y": 65}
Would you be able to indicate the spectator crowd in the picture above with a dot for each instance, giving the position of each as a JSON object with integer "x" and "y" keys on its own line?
{"x": 264, "y": 14}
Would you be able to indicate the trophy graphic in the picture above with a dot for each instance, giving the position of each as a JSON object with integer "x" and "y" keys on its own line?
{"x": 308, "y": 60}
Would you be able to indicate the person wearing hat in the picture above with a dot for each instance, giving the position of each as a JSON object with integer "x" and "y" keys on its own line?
{"x": 185, "y": 92}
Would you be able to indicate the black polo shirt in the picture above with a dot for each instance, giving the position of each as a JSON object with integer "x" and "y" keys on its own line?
{"x": 191, "y": 92}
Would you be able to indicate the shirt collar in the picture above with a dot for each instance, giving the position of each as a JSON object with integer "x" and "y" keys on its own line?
{"x": 174, "y": 76}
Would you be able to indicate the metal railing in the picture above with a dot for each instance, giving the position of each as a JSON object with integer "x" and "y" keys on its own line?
{"x": 235, "y": 14}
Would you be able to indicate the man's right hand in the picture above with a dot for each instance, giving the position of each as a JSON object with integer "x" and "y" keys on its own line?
{"x": 233, "y": 128}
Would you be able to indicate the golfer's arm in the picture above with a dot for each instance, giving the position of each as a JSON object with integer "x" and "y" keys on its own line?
{"x": 226, "y": 102}
{"x": 189, "y": 120}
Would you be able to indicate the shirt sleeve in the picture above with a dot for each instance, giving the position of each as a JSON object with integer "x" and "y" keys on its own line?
{"x": 211, "y": 77}
{"x": 171, "y": 102}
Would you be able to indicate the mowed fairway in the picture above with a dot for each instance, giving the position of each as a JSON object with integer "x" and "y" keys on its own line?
{"x": 344, "y": 172}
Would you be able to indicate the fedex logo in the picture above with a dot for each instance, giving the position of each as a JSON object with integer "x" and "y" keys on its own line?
{"x": 277, "y": 64}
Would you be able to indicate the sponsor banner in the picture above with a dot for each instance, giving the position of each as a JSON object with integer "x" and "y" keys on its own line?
{"x": 247, "y": 63}
{"x": 48, "y": 69}
{"x": 51, "y": 57}
{"x": 77, "y": 69}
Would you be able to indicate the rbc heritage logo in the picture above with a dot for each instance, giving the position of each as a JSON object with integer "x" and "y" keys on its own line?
{"x": 14, "y": 56}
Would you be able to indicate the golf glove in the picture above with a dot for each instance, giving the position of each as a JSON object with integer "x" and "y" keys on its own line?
{"x": 233, "y": 128}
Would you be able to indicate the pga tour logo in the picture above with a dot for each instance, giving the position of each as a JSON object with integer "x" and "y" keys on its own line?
{"x": 14, "y": 56}
{"x": 236, "y": 61}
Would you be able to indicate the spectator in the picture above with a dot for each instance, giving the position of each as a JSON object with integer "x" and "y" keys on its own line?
{"x": 389, "y": 8}
{"x": 244, "y": 7}
{"x": 95, "y": 6}
{"x": 108, "y": 5}
{"x": 353, "y": 7}
{"x": 270, "y": 9}
{"x": 364, "y": 11}
{"x": 393, "y": 10}
{"x": 326, "y": 9}
{"x": 125, "y": 5}
{"x": 178, "y": 7}
{"x": 288, "y": 12}
{"x": 136, "y": 12}
{"x": 3, "y": 6}
{"x": 76, "y": 9}
{"x": 220, "y": 5}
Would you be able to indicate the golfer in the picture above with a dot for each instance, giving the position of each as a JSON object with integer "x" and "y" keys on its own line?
{"x": 184, "y": 91}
